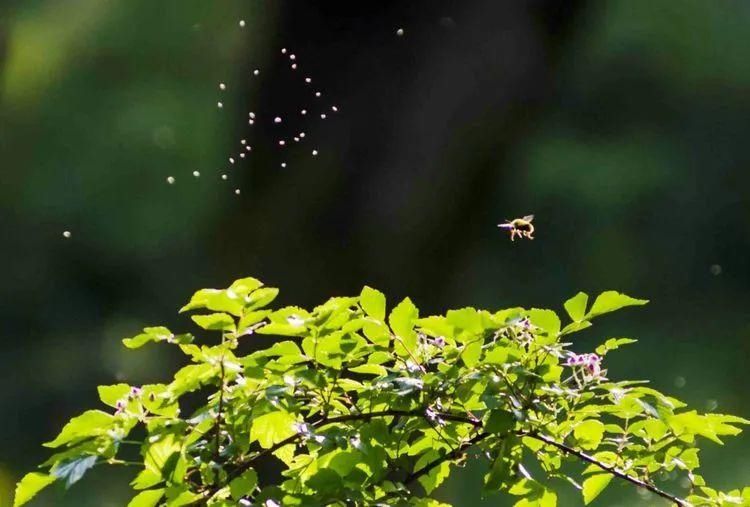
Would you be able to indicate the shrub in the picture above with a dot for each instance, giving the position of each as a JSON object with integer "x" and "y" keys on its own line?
{"x": 360, "y": 406}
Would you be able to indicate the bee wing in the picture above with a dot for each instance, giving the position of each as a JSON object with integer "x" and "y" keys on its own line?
{"x": 529, "y": 218}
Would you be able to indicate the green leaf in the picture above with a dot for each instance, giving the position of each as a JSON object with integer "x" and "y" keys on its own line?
{"x": 594, "y": 485}
{"x": 72, "y": 470}
{"x": 576, "y": 306}
{"x": 546, "y": 320}
{"x": 90, "y": 423}
{"x": 215, "y": 322}
{"x": 160, "y": 457}
{"x": 613, "y": 344}
{"x": 244, "y": 484}
{"x": 612, "y": 300}
{"x": 261, "y": 298}
{"x": 435, "y": 326}
{"x": 245, "y": 286}
{"x": 471, "y": 353}
{"x": 402, "y": 320}
{"x": 272, "y": 428}
{"x": 369, "y": 369}
{"x": 499, "y": 421}
{"x": 155, "y": 334}
{"x": 110, "y": 395}
{"x": 589, "y": 433}
{"x": 229, "y": 301}
{"x": 431, "y": 480}
{"x": 31, "y": 484}
{"x": 467, "y": 319}
{"x": 148, "y": 498}
{"x": 372, "y": 302}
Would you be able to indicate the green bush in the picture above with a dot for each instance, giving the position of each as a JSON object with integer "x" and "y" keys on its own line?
{"x": 363, "y": 406}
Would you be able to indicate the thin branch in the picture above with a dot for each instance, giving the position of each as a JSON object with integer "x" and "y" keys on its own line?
{"x": 460, "y": 450}
{"x": 342, "y": 419}
{"x": 221, "y": 409}
{"x": 454, "y": 454}
{"x": 607, "y": 468}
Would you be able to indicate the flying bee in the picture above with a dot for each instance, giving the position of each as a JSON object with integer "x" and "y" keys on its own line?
{"x": 521, "y": 227}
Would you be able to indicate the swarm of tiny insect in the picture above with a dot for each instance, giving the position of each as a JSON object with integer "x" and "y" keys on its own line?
{"x": 521, "y": 227}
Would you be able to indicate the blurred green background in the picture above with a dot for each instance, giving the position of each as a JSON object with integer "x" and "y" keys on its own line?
{"x": 622, "y": 124}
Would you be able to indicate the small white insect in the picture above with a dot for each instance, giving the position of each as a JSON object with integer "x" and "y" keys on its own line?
{"x": 237, "y": 191}
{"x": 283, "y": 51}
{"x": 277, "y": 120}
{"x": 243, "y": 141}
{"x": 256, "y": 72}
{"x": 294, "y": 66}
{"x": 308, "y": 80}
{"x": 251, "y": 122}
{"x": 170, "y": 180}
{"x": 400, "y": 32}
{"x": 296, "y": 139}
{"x": 334, "y": 109}
{"x": 302, "y": 134}
{"x": 315, "y": 153}
{"x": 249, "y": 148}
{"x": 242, "y": 23}
{"x": 251, "y": 114}
{"x": 282, "y": 142}
{"x": 67, "y": 234}
{"x": 231, "y": 160}
{"x": 292, "y": 57}
{"x": 220, "y": 105}
{"x": 196, "y": 174}
{"x": 242, "y": 155}
{"x": 303, "y": 112}
{"x": 283, "y": 164}
{"x": 222, "y": 86}
{"x": 323, "y": 116}
{"x": 224, "y": 176}
{"x": 318, "y": 94}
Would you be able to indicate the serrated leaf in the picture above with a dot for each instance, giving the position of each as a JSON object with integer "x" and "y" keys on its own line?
{"x": 471, "y": 353}
{"x": 431, "y": 480}
{"x": 155, "y": 334}
{"x": 148, "y": 498}
{"x": 402, "y": 320}
{"x": 110, "y": 395}
{"x": 369, "y": 369}
{"x": 613, "y": 344}
{"x": 261, "y": 298}
{"x": 90, "y": 423}
{"x": 215, "y": 322}
{"x": 435, "y": 326}
{"x": 272, "y": 428}
{"x": 467, "y": 319}
{"x": 594, "y": 485}
{"x": 499, "y": 421}
{"x": 589, "y": 433}
{"x": 72, "y": 471}
{"x": 160, "y": 457}
{"x": 576, "y": 306}
{"x": 372, "y": 302}
{"x": 245, "y": 286}
{"x": 610, "y": 301}
{"x": 244, "y": 484}
{"x": 545, "y": 319}
{"x": 31, "y": 484}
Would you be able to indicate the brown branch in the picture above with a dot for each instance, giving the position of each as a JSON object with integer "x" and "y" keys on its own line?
{"x": 607, "y": 468}
{"x": 460, "y": 450}
{"x": 342, "y": 419}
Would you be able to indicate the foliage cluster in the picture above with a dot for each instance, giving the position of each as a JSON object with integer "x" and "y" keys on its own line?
{"x": 358, "y": 405}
